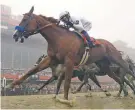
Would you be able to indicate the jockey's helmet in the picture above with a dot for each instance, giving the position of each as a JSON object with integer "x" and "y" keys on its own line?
{"x": 65, "y": 15}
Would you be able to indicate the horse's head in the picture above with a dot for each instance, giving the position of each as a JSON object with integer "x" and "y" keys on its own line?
{"x": 29, "y": 25}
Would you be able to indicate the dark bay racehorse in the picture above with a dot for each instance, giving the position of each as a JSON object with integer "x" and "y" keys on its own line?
{"x": 117, "y": 70}
{"x": 83, "y": 73}
{"x": 59, "y": 69}
{"x": 64, "y": 47}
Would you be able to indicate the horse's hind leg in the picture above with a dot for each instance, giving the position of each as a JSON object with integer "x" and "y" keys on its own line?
{"x": 132, "y": 81}
{"x": 121, "y": 73}
{"x": 94, "y": 79}
{"x": 117, "y": 79}
{"x": 118, "y": 60}
{"x": 128, "y": 83}
{"x": 60, "y": 79}
{"x": 85, "y": 80}
{"x": 43, "y": 65}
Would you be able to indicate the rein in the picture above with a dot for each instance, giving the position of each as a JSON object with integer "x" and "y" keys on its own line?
{"x": 37, "y": 31}
{"x": 22, "y": 28}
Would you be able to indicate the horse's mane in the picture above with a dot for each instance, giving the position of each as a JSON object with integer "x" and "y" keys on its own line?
{"x": 50, "y": 19}
{"x": 53, "y": 20}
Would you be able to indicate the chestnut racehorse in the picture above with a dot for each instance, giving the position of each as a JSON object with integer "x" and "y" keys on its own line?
{"x": 64, "y": 47}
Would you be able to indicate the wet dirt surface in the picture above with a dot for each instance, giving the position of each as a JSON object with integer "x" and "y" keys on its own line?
{"x": 97, "y": 101}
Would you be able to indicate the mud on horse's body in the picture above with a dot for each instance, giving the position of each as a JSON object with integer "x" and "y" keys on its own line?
{"x": 60, "y": 52}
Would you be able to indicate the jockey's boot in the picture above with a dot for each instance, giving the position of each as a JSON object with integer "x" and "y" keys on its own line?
{"x": 90, "y": 43}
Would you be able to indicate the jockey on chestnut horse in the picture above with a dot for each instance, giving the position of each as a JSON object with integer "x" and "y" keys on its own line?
{"x": 81, "y": 25}
{"x": 64, "y": 47}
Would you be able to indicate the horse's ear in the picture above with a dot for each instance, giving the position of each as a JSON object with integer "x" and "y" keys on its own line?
{"x": 31, "y": 10}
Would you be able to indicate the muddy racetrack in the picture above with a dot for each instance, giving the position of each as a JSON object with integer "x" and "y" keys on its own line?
{"x": 97, "y": 101}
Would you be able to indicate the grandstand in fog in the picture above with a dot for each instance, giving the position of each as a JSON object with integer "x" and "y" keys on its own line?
{"x": 17, "y": 55}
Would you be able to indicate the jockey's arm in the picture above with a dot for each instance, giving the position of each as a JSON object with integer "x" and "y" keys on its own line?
{"x": 77, "y": 24}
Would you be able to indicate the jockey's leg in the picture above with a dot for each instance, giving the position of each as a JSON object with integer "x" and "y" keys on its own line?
{"x": 90, "y": 43}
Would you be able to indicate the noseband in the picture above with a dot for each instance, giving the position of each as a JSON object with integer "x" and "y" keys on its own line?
{"x": 22, "y": 29}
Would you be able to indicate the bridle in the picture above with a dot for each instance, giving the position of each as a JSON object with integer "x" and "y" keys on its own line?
{"x": 22, "y": 29}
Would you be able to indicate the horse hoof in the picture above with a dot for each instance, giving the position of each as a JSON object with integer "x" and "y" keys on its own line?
{"x": 67, "y": 102}
{"x": 72, "y": 102}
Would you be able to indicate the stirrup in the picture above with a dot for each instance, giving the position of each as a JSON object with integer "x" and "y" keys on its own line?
{"x": 87, "y": 48}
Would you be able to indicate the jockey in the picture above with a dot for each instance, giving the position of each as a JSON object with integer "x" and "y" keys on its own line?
{"x": 80, "y": 25}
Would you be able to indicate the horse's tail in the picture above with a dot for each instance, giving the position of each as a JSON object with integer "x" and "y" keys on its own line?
{"x": 131, "y": 64}
{"x": 132, "y": 68}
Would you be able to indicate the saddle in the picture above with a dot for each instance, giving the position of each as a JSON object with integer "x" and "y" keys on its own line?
{"x": 86, "y": 53}
{"x": 94, "y": 41}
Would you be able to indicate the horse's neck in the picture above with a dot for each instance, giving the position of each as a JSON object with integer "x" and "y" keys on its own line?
{"x": 49, "y": 35}
{"x": 47, "y": 32}
{"x": 53, "y": 33}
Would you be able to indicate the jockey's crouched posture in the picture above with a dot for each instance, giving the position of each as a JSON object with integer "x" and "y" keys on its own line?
{"x": 80, "y": 25}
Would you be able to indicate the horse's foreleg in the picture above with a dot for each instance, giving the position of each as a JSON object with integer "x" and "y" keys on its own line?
{"x": 68, "y": 75}
{"x": 60, "y": 79}
{"x": 89, "y": 86}
{"x": 85, "y": 80}
{"x": 43, "y": 65}
{"x": 69, "y": 65}
{"x": 47, "y": 82}
{"x": 94, "y": 79}
{"x": 79, "y": 88}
